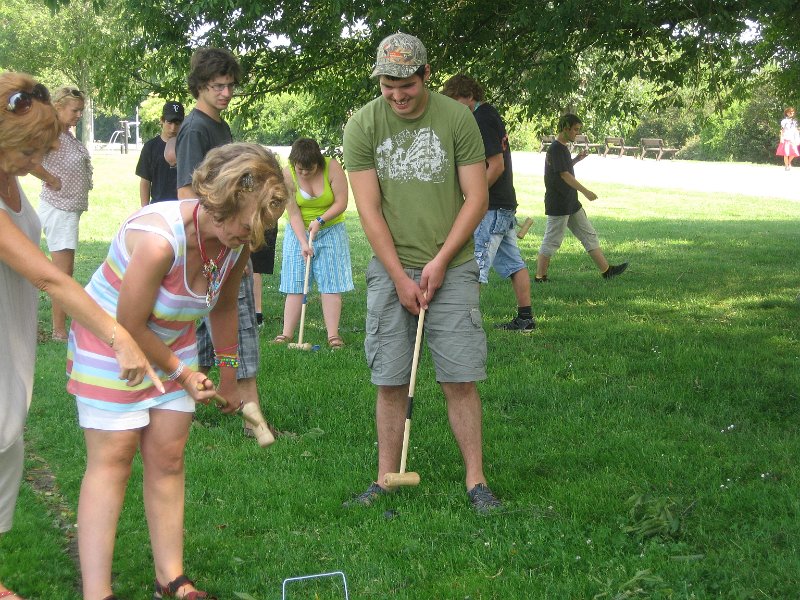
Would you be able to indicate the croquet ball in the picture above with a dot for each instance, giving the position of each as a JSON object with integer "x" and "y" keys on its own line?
{"x": 315, "y": 347}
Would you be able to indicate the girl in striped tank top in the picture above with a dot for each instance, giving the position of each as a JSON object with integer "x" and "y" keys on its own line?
{"x": 170, "y": 264}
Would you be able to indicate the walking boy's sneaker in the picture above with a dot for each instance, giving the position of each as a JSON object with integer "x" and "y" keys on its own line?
{"x": 367, "y": 498}
{"x": 518, "y": 324}
{"x": 482, "y": 499}
{"x": 614, "y": 270}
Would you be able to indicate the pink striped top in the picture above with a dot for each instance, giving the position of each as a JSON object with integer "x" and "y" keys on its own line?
{"x": 91, "y": 364}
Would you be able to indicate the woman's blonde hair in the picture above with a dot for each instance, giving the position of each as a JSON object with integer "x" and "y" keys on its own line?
{"x": 37, "y": 128}
{"x": 66, "y": 94}
{"x": 230, "y": 171}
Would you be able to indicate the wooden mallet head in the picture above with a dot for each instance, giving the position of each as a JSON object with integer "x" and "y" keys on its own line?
{"x": 393, "y": 480}
{"x": 304, "y": 346}
{"x": 252, "y": 414}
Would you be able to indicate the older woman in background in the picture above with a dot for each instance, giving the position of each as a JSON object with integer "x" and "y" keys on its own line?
{"x": 170, "y": 264}
{"x": 28, "y": 129}
{"x": 67, "y": 176}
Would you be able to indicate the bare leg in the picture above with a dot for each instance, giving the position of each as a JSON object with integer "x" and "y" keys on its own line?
{"x": 12, "y": 596}
{"x": 390, "y": 418}
{"x": 599, "y": 259}
{"x": 163, "y": 444}
{"x": 64, "y": 260}
{"x": 109, "y": 455}
{"x": 291, "y": 313}
{"x": 521, "y": 282}
{"x": 542, "y": 265}
{"x": 464, "y": 412}
{"x": 331, "y": 312}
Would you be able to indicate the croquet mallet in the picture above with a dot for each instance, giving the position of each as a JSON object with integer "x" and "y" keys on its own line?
{"x": 300, "y": 345}
{"x": 252, "y": 414}
{"x": 391, "y": 480}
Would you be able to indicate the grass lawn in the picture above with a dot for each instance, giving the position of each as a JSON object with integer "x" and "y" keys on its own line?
{"x": 644, "y": 438}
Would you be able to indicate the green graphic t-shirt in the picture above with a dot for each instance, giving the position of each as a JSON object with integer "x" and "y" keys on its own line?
{"x": 416, "y": 162}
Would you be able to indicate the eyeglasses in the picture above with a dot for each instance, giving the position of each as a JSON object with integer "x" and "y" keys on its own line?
{"x": 20, "y": 102}
{"x": 75, "y": 93}
{"x": 221, "y": 87}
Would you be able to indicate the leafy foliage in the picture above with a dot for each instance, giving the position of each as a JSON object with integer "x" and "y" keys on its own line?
{"x": 539, "y": 55}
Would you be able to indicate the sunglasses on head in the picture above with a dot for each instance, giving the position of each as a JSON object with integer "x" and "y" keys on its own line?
{"x": 21, "y": 102}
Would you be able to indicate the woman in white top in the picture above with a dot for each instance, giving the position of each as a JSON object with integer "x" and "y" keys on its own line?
{"x": 67, "y": 176}
{"x": 29, "y": 128}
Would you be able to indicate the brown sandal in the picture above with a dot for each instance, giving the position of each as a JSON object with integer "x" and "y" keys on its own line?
{"x": 335, "y": 342}
{"x": 281, "y": 339}
{"x": 171, "y": 590}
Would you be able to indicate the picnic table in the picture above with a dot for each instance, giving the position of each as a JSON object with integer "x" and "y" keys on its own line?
{"x": 546, "y": 141}
{"x": 617, "y": 146}
{"x": 656, "y": 146}
{"x": 582, "y": 142}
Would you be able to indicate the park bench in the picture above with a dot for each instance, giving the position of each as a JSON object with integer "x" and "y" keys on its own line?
{"x": 617, "y": 146}
{"x": 582, "y": 143}
{"x": 546, "y": 141}
{"x": 656, "y": 146}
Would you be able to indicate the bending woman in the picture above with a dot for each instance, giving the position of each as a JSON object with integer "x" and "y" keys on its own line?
{"x": 28, "y": 129}
{"x": 170, "y": 264}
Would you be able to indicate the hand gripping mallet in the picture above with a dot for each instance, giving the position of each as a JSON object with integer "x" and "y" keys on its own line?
{"x": 252, "y": 414}
{"x": 391, "y": 480}
{"x": 300, "y": 345}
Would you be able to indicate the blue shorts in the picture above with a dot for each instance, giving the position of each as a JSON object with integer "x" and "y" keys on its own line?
{"x": 330, "y": 265}
{"x": 248, "y": 334}
{"x": 496, "y": 244}
{"x": 453, "y": 328}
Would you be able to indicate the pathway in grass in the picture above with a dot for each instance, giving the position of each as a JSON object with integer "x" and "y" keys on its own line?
{"x": 715, "y": 177}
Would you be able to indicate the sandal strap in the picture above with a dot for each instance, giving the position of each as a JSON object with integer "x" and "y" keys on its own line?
{"x": 6, "y": 594}
{"x": 171, "y": 589}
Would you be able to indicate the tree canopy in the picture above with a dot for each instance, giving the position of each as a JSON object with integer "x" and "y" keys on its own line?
{"x": 541, "y": 55}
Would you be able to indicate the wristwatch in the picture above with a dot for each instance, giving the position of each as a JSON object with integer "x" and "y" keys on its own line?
{"x": 321, "y": 221}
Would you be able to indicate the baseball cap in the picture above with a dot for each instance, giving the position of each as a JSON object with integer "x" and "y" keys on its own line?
{"x": 173, "y": 111}
{"x": 399, "y": 55}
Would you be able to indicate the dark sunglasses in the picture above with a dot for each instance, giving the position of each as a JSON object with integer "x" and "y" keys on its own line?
{"x": 21, "y": 102}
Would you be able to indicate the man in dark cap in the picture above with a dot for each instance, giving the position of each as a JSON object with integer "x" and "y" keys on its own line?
{"x": 159, "y": 180}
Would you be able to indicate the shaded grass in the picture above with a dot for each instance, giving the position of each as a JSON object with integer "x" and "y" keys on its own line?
{"x": 679, "y": 379}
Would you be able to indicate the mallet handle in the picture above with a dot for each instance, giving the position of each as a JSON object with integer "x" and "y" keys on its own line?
{"x": 411, "y": 385}
{"x": 305, "y": 293}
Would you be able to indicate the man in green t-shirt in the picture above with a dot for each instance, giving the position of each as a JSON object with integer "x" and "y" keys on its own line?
{"x": 415, "y": 161}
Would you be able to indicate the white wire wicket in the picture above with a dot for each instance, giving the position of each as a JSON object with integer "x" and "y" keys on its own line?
{"x": 317, "y": 576}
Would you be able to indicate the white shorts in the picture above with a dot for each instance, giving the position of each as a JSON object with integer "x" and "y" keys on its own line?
{"x": 91, "y": 417}
{"x": 60, "y": 227}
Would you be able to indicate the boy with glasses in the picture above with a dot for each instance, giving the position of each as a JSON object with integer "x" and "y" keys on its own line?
{"x": 212, "y": 81}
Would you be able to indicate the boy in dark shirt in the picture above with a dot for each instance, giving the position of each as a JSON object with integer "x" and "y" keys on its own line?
{"x": 562, "y": 207}
{"x": 159, "y": 180}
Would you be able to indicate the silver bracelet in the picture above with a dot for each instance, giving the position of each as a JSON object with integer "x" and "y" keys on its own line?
{"x": 177, "y": 372}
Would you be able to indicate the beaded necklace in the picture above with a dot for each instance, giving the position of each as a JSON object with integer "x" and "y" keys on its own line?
{"x": 211, "y": 267}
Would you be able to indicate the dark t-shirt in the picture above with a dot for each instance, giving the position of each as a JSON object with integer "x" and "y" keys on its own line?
{"x": 198, "y": 134}
{"x": 559, "y": 198}
{"x": 152, "y": 167}
{"x": 495, "y": 141}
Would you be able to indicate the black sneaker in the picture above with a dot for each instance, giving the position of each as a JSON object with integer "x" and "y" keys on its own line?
{"x": 614, "y": 270}
{"x": 542, "y": 279}
{"x": 482, "y": 499}
{"x": 259, "y": 319}
{"x": 368, "y": 498}
{"x": 518, "y": 324}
